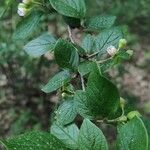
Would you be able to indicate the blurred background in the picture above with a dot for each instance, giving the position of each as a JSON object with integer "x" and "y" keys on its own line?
{"x": 23, "y": 106}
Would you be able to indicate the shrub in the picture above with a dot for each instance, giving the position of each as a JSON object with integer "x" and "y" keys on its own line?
{"x": 82, "y": 83}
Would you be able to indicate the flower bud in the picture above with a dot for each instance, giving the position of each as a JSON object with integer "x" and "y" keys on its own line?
{"x": 122, "y": 43}
{"x": 132, "y": 114}
{"x": 111, "y": 50}
{"x": 130, "y": 52}
{"x": 63, "y": 95}
{"x": 22, "y": 10}
{"x": 122, "y": 102}
{"x": 27, "y": 1}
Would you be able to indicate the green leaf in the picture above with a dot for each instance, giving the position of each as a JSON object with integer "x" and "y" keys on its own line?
{"x": 27, "y": 26}
{"x": 82, "y": 105}
{"x": 57, "y": 81}
{"x": 100, "y": 99}
{"x": 132, "y": 136}
{"x": 107, "y": 65}
{"x": 104, "y": 92}
{"x": 40, "y": 45}
{"x": 66, "y": 112}
{"x": 107, "y": 38}
{"x": 34, "y": 141}
{"x": 70, "y": 8}
{"x": 147, "y": 125}
{"x": 91, "y": 137}
{"x": 100, "y": 22}
{"x": 67, "y": 134}
{"x": 66, "y": 55}
{"x": 88, "y": 43}
{"x": 122, "y": 54}
{"x": 86, "y": 67}
{"x": 4, "y": 9}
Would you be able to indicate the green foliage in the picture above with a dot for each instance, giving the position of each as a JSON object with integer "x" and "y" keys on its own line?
{"x": 132, "y": 135}
{"x": 66, "y": 112}
{"x": 56, "y": 82}
{"x": 88, "y": 43}
{"x": 66, "y": 55}
{"x": 67, "y": 134}
{"x": 82, "y": 84}
{"x": 27, "y": 26}
{"x": 34, "y": 141}
{"x": 70, "y": 8}
{"x": 100, "y": 22}
{"x": 106, "y": 38}
{"x": 40, "y": 45}
{"x": 91, "y": 137}
{"x": 104, "y": 93}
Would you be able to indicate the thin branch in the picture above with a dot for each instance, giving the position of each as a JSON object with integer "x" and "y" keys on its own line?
{"x": 93, "y": 55}
{"x": 70, "y": 34}
{"x": 102, "y": 61}
{"x": 82, "y": 82}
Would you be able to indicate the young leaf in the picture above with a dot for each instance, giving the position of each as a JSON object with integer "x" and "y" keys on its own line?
{"x": 70, "y": 8}
{"x": 56, "y": 82}
{"x": 132, "y": 135}
{"x": 86, "y": 67}
{"x": 122, "y": 54}
{"x": 66, "y": 112}
{"x": 100, "y": 22}
{"x": 91, "y": 137}
{"x": 107, "y": 65}
{"x": 34, "y": 141}
{"x": 107, "y": 38}
{"x": 88, "y": 43}
{"x": 40, "y": 45}
{"x": 101, "y": 97}
{"x": 67, "y": 134}
{"x": 66, "y": 55}
{"x": 81, "y": 104}
{"x": 27, "y": 26}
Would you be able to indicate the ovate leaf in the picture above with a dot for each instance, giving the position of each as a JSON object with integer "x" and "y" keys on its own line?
{"x": 66, "y": 54}
{"x": 34, "y": 141}
{"x": 91, "y": 137}
{"x": 100, "y": 99}
{"x": 27, "y": 26}
{"x": 107, "y": 38}
{"x": 88, "y": 43}
{"x": 103, "y": 96}
{"x": 86, "y": 67}
{"x": 56, "y": 82}
{"x": 66, "y": 112}
{"x": 100, "y": 22}
{"x": 70, "y": 8}
{"x": 132, "y": 136}
{"x": 67, "y": 134}
{"x": 40, "y": 45}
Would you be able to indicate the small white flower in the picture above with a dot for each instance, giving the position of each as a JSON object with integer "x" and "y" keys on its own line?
{"x": 111, "y": 50}
{"x": 22, "y": 10}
